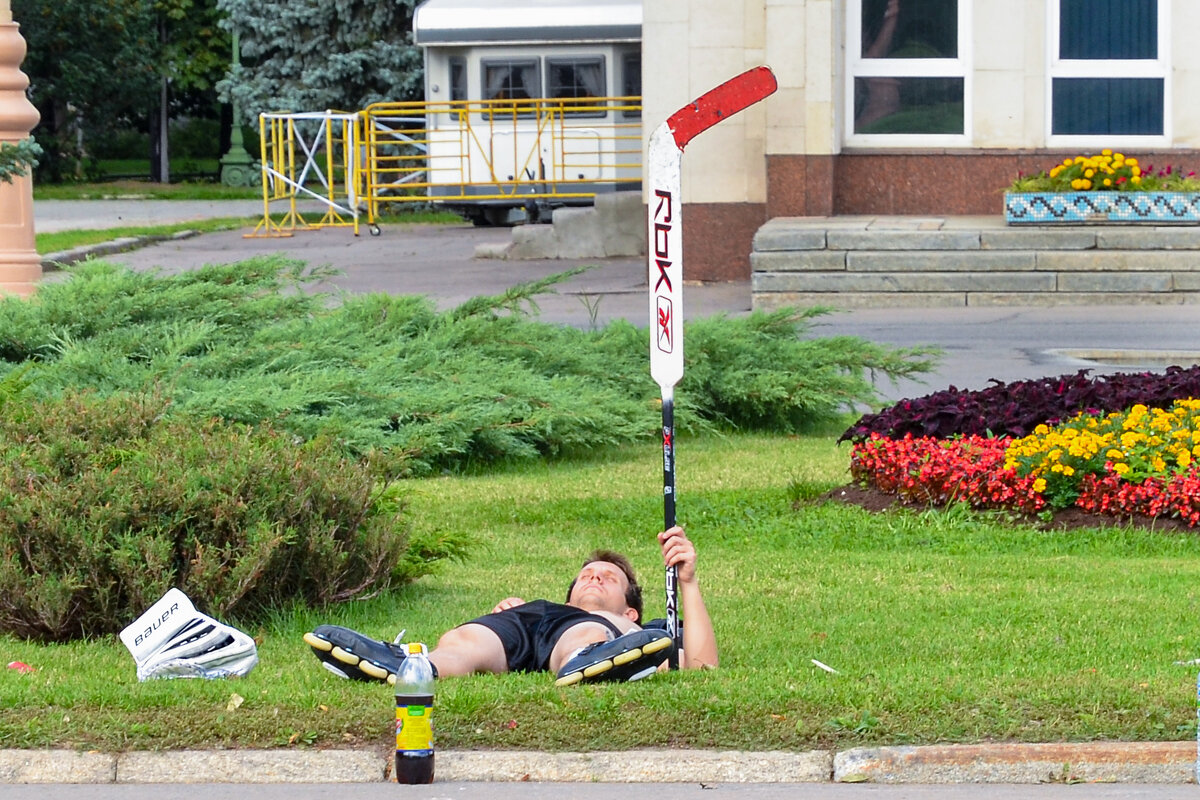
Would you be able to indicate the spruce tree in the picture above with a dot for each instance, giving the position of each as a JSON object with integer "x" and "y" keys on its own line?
{"x": 314, "y": 55}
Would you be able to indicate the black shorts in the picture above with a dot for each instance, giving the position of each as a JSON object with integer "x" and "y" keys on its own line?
{"x": 530, "y": 631}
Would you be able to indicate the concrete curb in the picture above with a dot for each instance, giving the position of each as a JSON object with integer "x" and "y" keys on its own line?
{"x": 63, "y": 258}
{"x": 1108, "y": 762}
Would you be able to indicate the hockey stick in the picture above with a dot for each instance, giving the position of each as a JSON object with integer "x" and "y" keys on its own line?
{"x": 665, "y": 257}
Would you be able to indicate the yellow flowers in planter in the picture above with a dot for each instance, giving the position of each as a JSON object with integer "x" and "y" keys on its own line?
{"x": 1135, "y": 445}
{"x": 1106, "y": 171}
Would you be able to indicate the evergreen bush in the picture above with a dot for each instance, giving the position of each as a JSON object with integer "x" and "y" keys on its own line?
{"x": 478, "y": 384}
{"x": 108, "y": 502}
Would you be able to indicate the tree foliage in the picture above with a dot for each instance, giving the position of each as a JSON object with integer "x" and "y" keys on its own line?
{"x": 313, "y": 55}
{"x": 91, "y": 66}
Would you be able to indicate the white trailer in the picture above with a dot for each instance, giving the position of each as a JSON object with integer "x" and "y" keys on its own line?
{"x": 529, "y": 104}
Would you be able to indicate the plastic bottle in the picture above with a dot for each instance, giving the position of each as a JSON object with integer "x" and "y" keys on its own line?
{"x": 414, "y": 713}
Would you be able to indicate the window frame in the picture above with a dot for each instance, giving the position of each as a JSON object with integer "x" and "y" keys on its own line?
{"x": 1159, "y": 68}
{"x": 461, "y": 62}
{"x": 859, "y": 67}
{"x": 624, "y": 58}
{"x": 528, "y": 104}
{"x": 549, "y": 63}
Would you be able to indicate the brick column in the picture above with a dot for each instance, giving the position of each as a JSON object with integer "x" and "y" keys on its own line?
{"x": 20, "y": 266}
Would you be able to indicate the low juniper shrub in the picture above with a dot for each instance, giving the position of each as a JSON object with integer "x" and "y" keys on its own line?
{"x": 106, "y": 502}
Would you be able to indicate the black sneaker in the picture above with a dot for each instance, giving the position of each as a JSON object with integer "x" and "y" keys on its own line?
{"x": 631, "y": 657}
{"x": 349, "y": 654}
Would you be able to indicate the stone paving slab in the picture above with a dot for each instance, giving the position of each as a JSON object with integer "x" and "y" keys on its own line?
{"x": 639, "y": 766}
{"x": 1159, "y": 762}
{"x": 902, "y": 240}
{"x": 1115, "y": 282}
{"x": 56, "y": 766}
{"x": 250, "y": 766}
{"x": 775, "y": 300}
{"x": 926, "y": 261}
{"x": 905, "y": 282}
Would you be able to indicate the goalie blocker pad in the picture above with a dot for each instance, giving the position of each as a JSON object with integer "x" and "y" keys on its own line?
{"x": 174, "y": 640}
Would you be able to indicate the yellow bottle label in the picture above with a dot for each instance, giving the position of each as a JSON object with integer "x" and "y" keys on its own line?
{"x": 414, "y": 728}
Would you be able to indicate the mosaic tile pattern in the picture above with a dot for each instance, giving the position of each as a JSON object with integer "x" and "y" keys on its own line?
{"x": 1046, "y": 208}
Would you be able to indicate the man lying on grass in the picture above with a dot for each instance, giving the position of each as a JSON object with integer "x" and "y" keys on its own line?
{"x": 596, "y": 635}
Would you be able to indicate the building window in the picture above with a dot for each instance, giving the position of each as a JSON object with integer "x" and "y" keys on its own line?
{"x": 631, "y": 81}
{"x": 512, "y": 79}
{"x": 458, "y": 78}
{"x": 1109, "y": 69}
{"x": 908, "y": 76}
{"x": 577, "y": 79}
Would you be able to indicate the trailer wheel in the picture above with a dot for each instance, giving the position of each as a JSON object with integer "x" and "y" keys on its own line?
{"x": 375, "y": 230}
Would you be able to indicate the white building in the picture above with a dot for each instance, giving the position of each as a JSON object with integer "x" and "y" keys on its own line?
{"x": 925, "y": 107}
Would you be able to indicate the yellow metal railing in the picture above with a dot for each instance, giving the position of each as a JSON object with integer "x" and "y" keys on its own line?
{"x": 499, "y": 149}
{"x": 464, "y": 151}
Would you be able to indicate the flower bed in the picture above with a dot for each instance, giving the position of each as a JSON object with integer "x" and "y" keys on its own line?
{"x": 1136, "y": 463}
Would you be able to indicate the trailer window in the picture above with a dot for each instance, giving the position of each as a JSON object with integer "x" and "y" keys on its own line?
{"x": 631, "y": 83}
{"x": 458, "y": 79}
{"x": 578, "y": 81}
{"x": 512, "y": 79}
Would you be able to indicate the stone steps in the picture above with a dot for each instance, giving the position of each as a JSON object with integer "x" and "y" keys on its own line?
{"x": 865, "y": 262}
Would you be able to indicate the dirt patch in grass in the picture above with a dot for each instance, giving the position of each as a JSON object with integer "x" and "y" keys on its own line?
{"x": 877, "y": 501}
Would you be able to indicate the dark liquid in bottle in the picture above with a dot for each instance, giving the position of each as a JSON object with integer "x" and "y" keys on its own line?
{"x": 414, "y": 769}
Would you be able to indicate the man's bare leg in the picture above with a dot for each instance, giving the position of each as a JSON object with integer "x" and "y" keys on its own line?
{"x": 574, "y": 638}
{"x": 468, "y": 649}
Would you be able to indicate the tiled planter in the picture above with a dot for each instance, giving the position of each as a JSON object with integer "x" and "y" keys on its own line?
{"x": 1052, "y": 208}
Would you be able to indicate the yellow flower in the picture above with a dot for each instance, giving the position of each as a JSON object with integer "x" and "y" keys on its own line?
{"x": 1114, "y": 454}
{"x": 1135, "y": 180}
{"x": 1039, "y": 485}
{"x": 1106, "y": 152}
{"x": 1117, "y": 157}
{"x": 1108, "y": 181}
{"x": 1087, "y": 173}
{"x": 1133, "y": 162}
{"x": 1068, "y": 471}
{"x": 1087, "y": 184}
{"x": 1120, "y": 469}
{"x": 1184, "y": 458}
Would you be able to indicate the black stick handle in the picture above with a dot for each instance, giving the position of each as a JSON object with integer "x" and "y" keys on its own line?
{"x": 668, "y": 432}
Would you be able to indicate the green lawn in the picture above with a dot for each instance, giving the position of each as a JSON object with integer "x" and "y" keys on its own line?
{"x": 128, "y": 189}
{"x": 942, "y": 626}
{"x": 58, "y": 241}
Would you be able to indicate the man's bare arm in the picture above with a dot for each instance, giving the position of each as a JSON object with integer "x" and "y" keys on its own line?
{"x": 699, "y": 640}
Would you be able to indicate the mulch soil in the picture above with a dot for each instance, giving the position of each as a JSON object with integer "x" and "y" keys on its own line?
{"x": 1068, "y": 519}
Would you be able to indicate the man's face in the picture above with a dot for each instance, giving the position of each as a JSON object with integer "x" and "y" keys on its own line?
{"x": 600, "y": 586}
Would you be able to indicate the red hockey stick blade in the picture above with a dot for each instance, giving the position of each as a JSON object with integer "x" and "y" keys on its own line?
{"x": 724, "y": 101}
